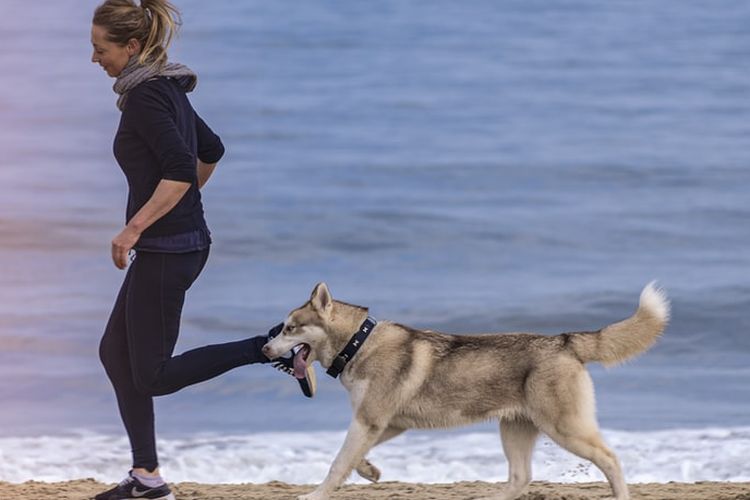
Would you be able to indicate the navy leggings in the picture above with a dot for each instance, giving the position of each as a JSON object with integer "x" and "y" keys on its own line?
{"x": 137, "y": 346}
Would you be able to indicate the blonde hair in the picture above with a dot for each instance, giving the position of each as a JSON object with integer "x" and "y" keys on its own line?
{"x": 154, "y": 24}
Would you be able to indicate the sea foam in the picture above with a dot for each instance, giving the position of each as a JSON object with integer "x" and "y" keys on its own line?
{"x": 428, "y": 457}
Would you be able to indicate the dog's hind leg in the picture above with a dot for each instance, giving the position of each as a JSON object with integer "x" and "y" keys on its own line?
{"x": 365, "y": 467}
{"x": 359, "y": 439}
{"x": 589, "y": 445}
{"x": 570, "y": 421}
{"x": 518, "y": 436}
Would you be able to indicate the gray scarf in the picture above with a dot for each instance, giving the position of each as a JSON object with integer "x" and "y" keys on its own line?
{"x": 135, "y": 73}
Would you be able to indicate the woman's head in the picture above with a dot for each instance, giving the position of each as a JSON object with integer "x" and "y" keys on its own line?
{"x": 121, "y": 29}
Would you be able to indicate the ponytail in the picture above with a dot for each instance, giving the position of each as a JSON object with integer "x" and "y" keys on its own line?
{"x": 154, "y": 24}
{"x": 164, "y": 21}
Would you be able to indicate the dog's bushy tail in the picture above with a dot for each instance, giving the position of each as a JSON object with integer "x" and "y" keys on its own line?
{"x": 623, "y": 340}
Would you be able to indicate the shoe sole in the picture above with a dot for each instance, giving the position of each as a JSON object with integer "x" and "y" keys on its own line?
{"x": 310, "y": 381}
{"x": 168, "y": 497}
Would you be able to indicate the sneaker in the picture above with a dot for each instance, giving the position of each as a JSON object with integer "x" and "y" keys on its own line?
{"x": 308, "y": 384}
{"x": 131, "y": 488}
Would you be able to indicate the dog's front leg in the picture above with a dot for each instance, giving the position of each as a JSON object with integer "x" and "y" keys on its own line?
{"x": 359, "y": 439}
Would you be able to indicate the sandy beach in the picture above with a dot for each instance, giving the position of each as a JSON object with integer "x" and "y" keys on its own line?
{"x": 84, "y": 489}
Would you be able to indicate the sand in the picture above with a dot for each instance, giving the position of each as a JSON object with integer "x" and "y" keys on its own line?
{"x": 84, "y": 489}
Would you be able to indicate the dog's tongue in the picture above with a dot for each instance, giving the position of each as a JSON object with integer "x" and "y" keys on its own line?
{"x": 300, "y": 363}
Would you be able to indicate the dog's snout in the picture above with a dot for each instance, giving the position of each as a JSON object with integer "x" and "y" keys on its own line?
{"x": 266, "y": 351}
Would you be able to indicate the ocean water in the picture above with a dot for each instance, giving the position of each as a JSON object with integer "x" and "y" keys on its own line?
{"x": 465, "y": 167}
{"x": 304, "y": 457}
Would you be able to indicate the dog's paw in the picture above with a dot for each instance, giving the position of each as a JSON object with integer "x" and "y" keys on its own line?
{"x": 503, "y": 493}
{"x": 313, "y": 496}
{"x": 368, "y": 471}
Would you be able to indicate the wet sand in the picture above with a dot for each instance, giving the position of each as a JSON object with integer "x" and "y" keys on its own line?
{"x": 86, "y": 488}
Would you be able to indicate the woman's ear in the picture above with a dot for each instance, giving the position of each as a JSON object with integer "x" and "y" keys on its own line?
{"x": 133, "y": 47}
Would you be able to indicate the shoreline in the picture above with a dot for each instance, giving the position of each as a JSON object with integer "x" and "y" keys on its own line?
{"x": 85, "y": 488}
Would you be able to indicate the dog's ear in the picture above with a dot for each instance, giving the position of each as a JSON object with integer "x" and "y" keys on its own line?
{"x": 321, "y": 298}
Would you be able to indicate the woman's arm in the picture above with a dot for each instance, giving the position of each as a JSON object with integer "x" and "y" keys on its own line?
{"x": 164, "y": 199}
{"x": 204, "y": 172}
{"x": 210, "y": 150}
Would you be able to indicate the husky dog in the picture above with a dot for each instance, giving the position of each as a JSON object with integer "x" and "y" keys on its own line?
{"x": 402, "y": 378}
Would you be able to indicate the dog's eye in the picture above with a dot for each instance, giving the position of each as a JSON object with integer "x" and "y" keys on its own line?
{"x": 290, "y": 328}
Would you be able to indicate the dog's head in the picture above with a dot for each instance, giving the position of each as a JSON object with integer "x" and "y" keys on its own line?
{"x": 308, "y": 327}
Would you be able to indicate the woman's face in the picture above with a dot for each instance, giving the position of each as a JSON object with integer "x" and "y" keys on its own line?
{"x": 111, "y": 56}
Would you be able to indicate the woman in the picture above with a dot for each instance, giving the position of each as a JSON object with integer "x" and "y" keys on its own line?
{"x": 167, "y": 153}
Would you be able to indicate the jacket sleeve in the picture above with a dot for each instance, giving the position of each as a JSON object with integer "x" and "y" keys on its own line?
{"x": 153, "y": 122}
{"x": 210, "y": 147}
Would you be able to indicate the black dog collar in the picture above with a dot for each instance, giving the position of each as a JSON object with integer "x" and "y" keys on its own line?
{"x": 351, "y": 348}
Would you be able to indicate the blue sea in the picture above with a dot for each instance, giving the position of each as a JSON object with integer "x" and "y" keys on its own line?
{"x": 460, "y": 166}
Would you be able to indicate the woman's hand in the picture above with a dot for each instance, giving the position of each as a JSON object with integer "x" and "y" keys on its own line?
{"x": 122, "y": 244}
{"x": 165, "y": 197}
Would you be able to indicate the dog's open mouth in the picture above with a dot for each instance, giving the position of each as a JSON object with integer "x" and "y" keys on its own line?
{"x": 302, "y": 351}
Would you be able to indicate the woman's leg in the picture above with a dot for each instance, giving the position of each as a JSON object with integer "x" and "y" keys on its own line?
{"x": 136, "y": 408}
{"x": 155, "y": 297}
{"x": 140, "y": 337}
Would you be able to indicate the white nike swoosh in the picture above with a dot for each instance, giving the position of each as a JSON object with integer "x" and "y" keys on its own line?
{"x": 136, "y": 493}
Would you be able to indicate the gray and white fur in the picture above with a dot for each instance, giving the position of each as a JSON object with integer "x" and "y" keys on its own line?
{"x": 403, "y": 378}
